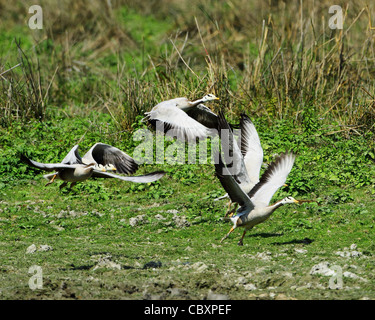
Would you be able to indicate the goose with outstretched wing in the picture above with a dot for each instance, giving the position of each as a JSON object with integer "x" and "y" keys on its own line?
{"x": 185, "y": 119}
{"x": 254, "y": 206}
{"x": 100, "y": 159}
{"x": 248, "y": 157}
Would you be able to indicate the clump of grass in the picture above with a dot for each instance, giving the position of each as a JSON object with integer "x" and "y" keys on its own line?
{"x": 23, "y": 94}
{"x": 270, "y": 59}
{"x": 276, "y": 61}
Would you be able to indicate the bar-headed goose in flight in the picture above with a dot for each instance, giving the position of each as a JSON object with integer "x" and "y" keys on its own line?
{"x": 254, "y": 205}
{"x": 183, "y": 118}
{"x": 247, "y": 158}
{"x": 95, "y": 163}
{"x": 111, "y": 158}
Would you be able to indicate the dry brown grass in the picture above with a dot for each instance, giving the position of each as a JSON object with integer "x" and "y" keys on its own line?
{"x": 270, "y": 58}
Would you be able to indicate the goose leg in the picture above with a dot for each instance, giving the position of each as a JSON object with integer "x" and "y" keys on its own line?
{"x": 227, "y": 235}
{"x": 63, "y": 185}
{"x": 240, "y": 243}
{"x": 53, "y": 179}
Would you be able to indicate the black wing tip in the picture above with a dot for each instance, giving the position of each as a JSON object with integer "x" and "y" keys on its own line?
{"x": 244, "y": 116}
{"x": 154, "y": 173}
{"x": 222, "y": 122}
{"x": 159, "y": 172}
{"x": 25, "y": 159}
{"x": 159, "y": 125}
{"x": 223, "y": 125}
{"x": 131, "y": 168}
{"x": 245, "y": 120}
{"x": 287, "y": 153}
{"x": 123, "y": 162}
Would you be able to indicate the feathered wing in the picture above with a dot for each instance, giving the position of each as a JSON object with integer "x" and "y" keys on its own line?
{"x": 230, "y": 185}
{"x": 251, "y": 149}
{"x": 150, "y": 177}
{"x": 232, "y": 154}
{"x": 272, "y": 179}
{"x": 105, "y": 154}
{"x": 47, "y": 166}
{"x": 174, "y": 118}
{"x": 203, "y": 115}
{"x": 73, "y": 156}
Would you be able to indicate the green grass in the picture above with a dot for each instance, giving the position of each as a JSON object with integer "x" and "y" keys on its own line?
{"x": 90, "y": 223}
{"x": 81, "y": 230}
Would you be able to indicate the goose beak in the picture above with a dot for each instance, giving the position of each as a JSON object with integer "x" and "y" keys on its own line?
{"x": 111, "y": 167}
{"x": 285, "y": 185}
{"x": 217, "y": 98}
{"x": 296, "y": 201}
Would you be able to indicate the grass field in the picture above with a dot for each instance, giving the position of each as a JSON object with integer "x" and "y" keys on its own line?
{"x": 91, "y": 73}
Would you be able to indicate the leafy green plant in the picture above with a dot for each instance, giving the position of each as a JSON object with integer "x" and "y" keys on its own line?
{"x": 296, "y": 224}
{"x": 340, "y": 196}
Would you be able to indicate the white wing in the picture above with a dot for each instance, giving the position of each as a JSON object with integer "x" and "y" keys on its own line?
{"x": 150, "y": 177}
{"x": 73, "y": 156}
{"x": 169, "y": 114}
{"x": 251, "y": 149}
{"x": 48, "y": 166}
{"x": 272, "y": 179}
{"x": 181, "y": 103}
{"x": 105, "y": 154}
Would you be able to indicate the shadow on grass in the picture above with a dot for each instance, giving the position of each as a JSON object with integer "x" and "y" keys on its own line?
{"x": 265, "y": 234}
{"x": 295, "y": 241}
{"x": 268, "y": 235}
{"x": 90, "y": 266}
{"x": 148, "y": 265}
